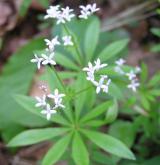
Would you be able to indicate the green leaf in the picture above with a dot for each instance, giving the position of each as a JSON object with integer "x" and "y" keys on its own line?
{"x": 155, "y": 48}
{"x": 58, "y": 149}
{"x": 67, "y": 75}
{"x": 156, "y": 31}
{"x": 53, "y": 81}
{"x": 124, "y": 131}
{"x": 24, "y": 7}
{"x": 94, "y": 123}
{"x": 65, "y": 61}
{"x": 80, "y": 99}
{"x": 79, "y": 151}
{"x": 35, "y": 136}
{"x": 144, "y": 73}
{"x": 91, "y": 38}
{"x": 16, "y": 78}
{"x": 112, "y": 112}
{"x": 113, "y": 49}
{"x": 102, "y": 158}
{"x": 109, "y": 144}
{"x": 155, "y": 80}
{"x": 96, "y": 111}
{"x": 29, "y": 104}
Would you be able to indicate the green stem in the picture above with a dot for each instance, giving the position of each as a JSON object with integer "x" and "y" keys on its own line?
{"x": 59, "y": 79}
{"x": 83, "y": 90}
{"x": 75, "y": 45}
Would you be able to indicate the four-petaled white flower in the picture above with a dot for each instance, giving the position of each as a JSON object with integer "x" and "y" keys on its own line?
{"x": 106, "y": 86}
{"x": 99, "y": 85}
{"x": 98, "y": 65}
{"x": 48, "y": 59}
{"x": 58, "y": 103}
{"x": 52, "y": 12}
{"x": 133, "y": 85}
{"x": 60, "y": 19}
{"x": 57, "y": 98}
{"x": 90, "y": 68}
{"x": 37, "y": 60}
{"x": 67, "y": 13}
{"x": 48, "y": 111}
{"x": 120, "y": 62}
{"x": 51, "y": 44}
{"x": 41, "y": 102}
{"x": 94, "y": 8}
{"x": 67, "y": 41}
{"x": 131, "y": 75}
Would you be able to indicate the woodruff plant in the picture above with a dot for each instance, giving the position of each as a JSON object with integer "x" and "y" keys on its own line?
{"x": 74, "y": 112}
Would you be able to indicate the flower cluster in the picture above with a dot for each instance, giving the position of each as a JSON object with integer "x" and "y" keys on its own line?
{"x": 88, "y": 10}
{"x": 48, "y": 58}
{"x": 63, "y": 15}
{"x": 50, "y": 103}
{"x": 104, "y": 82}
{"x": 131, "y": 75}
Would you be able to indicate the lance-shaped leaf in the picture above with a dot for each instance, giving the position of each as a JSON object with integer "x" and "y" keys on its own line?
{"x": 91, "y": 38}
{"x": 80, "y": 100}
{"x": 109, "y": 144}
{"x": 79, "y": 150}
{"x": 65, "y": 61}
{"x": 35, "y": 136}
{"x": 97, "y": 111}
{"x": 58, "y": 149}
{"x": 112, "y": 112}
{"x": 113, "y": 49}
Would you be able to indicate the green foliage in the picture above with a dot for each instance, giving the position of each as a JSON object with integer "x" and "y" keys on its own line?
{"x": 13, "y": 81}
{"x": 35, "y": 136}
{"x": 109, "y": 144}
{"x": 156, "y": 32}
{"x": 79, "y": 124}
{"x": 79, "y": 150}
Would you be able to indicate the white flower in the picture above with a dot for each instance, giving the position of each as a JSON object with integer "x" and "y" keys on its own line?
{"x": 138, "y": 69}
{"x": 99, "y": 85}
{"x": 41, "y": 101}
{"x": 57, "y": 98}
{"x": 88, "y": 10}
{"x": 85, "y": 12}
{"x": 58, "y": 103}
{"x": 120, "y": 62}
{"x": 48, "y": 59}
{"x": 98, "y": 65}
{"x": 119, "y": 70}
{"x": 60, "y": 19}
{"x": 90, "y": 68}
{"x": 90, "y": 76}
{"x": 37, "y": 60}
{"x": 133, "y": 85}
{"x": 105, "y": 87}
{"x": 93, "y": 8}
{"x": 52, "y": 12}
{"x": 48, "y": 111}
{"x": 51, "y": 44}
{"x": 67, "y": 13}
{"x": 131, "y": 75}
{"x": 67, "y": 40}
